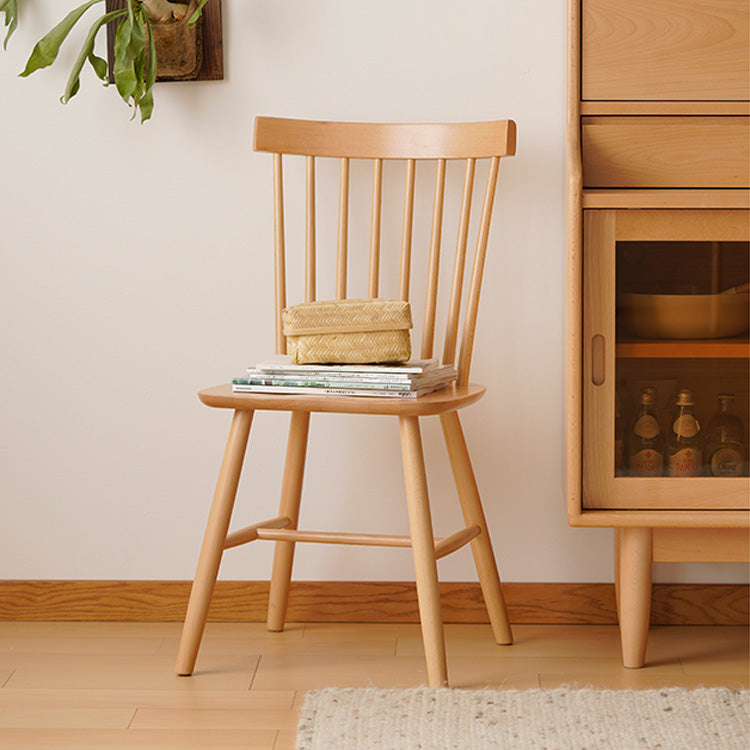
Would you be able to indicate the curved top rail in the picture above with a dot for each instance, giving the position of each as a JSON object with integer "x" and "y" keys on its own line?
{"x": 386, "y": 140}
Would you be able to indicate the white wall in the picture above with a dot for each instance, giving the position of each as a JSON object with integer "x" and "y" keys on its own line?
{"x": 135, "y": 271}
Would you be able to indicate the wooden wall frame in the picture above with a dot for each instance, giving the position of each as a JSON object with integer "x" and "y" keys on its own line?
{"x": 212, "y": 68}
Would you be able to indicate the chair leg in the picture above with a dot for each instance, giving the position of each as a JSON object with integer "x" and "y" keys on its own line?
{"x": 423, "y": 548}
{"x": 213, "y": 542}
{"x": 481, "y": 546}
{"x": 291, "y": 494}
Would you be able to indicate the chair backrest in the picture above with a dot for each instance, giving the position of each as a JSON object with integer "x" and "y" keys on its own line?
{"x": 407, "y": 143}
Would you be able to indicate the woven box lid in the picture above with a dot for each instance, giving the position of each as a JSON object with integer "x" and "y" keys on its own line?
{"x": 345, "y": 316}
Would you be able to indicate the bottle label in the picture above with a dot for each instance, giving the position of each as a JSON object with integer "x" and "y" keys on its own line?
{"x": 646, "y": 427}
{"x": 686, "y": 425}
{"x": 685, "y": 463}
{"x": 726, "y": 462}
{"x": 647, "y": 463}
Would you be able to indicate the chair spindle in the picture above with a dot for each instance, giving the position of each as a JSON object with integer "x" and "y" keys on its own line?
{"x": 472, "y": 304}
{"x": 377, "y": 194}
{"x": 279, "y": 250}
{"x": 310, "y": 231}
{"x": 428, "y": 331}
{"x": 343, "y": 236}
{"x": 407, "y": 231}
{"x": 459, "y": 264}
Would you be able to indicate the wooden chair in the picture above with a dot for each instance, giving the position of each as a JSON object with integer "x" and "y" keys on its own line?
{"x": 481, "y": 143}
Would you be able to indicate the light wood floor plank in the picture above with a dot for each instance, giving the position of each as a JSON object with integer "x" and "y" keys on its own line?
{"x": 69, "y": 717}
{"x": 310, "y": 671}
{"x": 528, "y": 641}
{"x": 509, "y": 671}
{"x": 235, "y": 700}
{"x": 295, "y": 646}
{"x": 81, "y": 686}
{"x": 325, "y": 632}
{"x": 701, "y": 648}
{"x": 217, "y": 718}
{"x": 19, "y": 644}
{"x": 142, "y": 739}
{"x": 287, "y": 740}
{"x": 84, "y": 671}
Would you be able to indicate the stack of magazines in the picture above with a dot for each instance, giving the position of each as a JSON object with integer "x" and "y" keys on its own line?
{"x": 408, "y": 380}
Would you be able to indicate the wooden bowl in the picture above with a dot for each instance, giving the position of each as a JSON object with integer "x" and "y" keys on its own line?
{"x": 683, "y": 316}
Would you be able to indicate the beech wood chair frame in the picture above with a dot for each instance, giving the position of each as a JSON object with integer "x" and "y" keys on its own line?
{"x": 409, "y": 143}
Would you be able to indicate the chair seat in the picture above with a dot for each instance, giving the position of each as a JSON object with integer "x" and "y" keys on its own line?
{"x": 445, "y": 400}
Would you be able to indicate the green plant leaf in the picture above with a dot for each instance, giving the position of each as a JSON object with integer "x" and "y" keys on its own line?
{"x": 194, "y": 18}
{"x": 46, "y": 49}
{"x": 147, "y": 101}
{"x": 87, "y": 53}
{"x": 130, "y": 45}
{"x": 140, "y": 71}
{"x": 10, "y": 8}
{"x": 100, "y": 67}
{"x": 130, "y": 69}
{"x": 124, "y": 67}
{"x": 71, "y": 91}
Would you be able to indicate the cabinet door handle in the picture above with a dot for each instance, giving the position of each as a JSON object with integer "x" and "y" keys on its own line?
{"x": 598, "y": 359}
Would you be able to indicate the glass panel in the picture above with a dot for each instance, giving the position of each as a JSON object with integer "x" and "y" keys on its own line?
{"x": 681, "y": 368}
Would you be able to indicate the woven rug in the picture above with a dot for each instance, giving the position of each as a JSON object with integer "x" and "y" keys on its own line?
{"x": 560, "y": 719}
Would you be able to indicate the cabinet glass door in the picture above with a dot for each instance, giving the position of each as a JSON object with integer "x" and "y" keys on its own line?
{"x": 666, "y": 339}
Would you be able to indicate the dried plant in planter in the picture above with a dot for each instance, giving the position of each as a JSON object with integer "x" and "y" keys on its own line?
{"x": 134, "y": 68}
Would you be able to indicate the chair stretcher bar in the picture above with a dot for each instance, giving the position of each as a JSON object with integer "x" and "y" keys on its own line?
{"x": 275, "y": 530}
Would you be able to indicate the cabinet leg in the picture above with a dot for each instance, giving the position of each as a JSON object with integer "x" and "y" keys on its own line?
{"x": 617, "y": 546}
{"x": 634, "y": 594}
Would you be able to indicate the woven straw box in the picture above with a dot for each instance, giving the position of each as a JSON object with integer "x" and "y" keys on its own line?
{"x": 349, "y": 331}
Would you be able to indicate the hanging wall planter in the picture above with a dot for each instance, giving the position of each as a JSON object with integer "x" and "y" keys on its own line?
{"x": 148, "y": 41}
{"x": 184, "y": 52}
{"x": 179, "y": 50}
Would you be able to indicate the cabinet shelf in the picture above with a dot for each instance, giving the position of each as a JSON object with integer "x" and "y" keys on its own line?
{"x": 734, "y": 348}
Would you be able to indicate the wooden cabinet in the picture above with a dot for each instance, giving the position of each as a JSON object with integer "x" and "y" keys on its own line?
{"x": 657, "y": 163}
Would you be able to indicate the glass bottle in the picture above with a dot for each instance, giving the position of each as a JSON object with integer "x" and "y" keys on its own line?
{"x": 724, "y": 448}
{"x": 646, "y": 439}
{"x": 684, "y": 438}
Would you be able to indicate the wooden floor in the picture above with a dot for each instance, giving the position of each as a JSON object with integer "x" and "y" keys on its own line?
{"x": 111, "y": 685}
